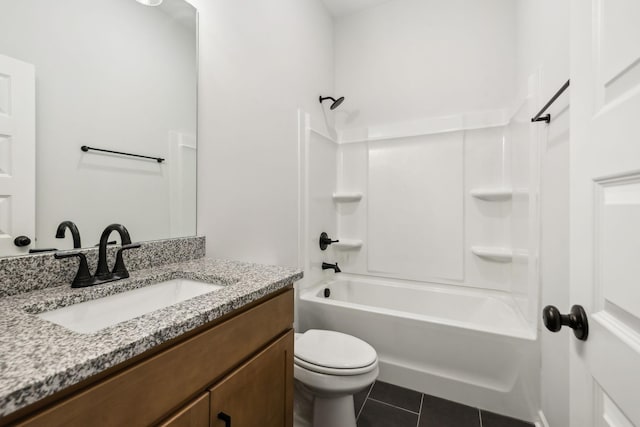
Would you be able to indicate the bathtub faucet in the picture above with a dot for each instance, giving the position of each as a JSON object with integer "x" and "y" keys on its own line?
{"x": 333, "y": 267}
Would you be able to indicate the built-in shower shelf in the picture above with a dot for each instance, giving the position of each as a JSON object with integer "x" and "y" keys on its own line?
{"x": 492, "y": 194}
{"x": 347, "y": 197}
{"x": 493, "y": 253}
{"x": 348, "y": 244}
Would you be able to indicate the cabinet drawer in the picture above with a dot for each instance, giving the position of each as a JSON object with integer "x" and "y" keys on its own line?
{"x": 195, "y": 414}
{"x": 149, "y": 391}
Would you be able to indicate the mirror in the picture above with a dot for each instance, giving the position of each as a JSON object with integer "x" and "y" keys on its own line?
{"x": 116, "y": 75}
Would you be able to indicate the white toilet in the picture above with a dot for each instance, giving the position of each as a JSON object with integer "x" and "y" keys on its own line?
{"x": 329, "y": 367}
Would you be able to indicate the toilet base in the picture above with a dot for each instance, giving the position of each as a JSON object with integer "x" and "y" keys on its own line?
{"x": 313, "y": 411}
{"x": 302, "y": 406}
{"x": 334, "y": 411}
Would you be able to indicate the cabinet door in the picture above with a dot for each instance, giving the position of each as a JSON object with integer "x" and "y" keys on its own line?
{"x": 260, "y": 392}
{"x": 195, "y": 414}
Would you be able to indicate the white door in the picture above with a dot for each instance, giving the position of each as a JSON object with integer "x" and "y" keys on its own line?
{"x": 17, "y": 155}
{"x": 605, "y": 210}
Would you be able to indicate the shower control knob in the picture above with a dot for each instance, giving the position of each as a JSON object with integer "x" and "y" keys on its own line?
{"x": 22, "y": 241}
{"x": 576, "y": 320}
{"x": 325, "y": 241}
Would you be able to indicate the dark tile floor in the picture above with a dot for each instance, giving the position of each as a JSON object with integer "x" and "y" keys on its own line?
{"x": 387, "y": 405}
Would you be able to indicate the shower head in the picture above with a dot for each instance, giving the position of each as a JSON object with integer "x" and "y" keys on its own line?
{"x": 336, "y": 102}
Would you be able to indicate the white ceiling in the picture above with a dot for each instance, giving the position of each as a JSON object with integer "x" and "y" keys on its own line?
{"x": 346, "y": 7}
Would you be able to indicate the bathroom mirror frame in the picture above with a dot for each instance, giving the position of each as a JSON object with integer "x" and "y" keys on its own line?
{"x": 107, "y": 162}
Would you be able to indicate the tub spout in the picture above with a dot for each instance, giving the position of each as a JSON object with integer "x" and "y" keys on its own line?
{"x": 333, "y": 267}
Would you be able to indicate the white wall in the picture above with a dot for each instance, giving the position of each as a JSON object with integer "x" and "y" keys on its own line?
{"x": 543, "y": 43}
{"x": 412, "y": 59}
{"x": 103, "y": 81}
{"x": 259, "y": 62}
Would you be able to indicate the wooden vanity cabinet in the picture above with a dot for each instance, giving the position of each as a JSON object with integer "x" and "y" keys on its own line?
{"x": 241, "y": 366}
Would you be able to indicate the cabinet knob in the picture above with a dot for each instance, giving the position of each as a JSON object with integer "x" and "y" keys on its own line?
{"x": 226, "y": 418}
{"x": 21, "y": 241}
{"x": 576, "y": 320}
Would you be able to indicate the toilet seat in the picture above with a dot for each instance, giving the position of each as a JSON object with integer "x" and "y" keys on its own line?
{"x": 334, "y": 353}
{"x": 334, "y": 371}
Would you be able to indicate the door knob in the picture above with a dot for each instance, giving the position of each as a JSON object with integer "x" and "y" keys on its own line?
{"x": 576, "y": 320}
{"x": 21, "y": 241}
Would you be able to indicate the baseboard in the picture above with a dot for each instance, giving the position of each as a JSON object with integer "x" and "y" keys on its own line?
{"x": 543, "y": 420}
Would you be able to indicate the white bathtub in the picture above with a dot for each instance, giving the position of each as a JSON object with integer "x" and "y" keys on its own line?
{"x": 472, "y": 347}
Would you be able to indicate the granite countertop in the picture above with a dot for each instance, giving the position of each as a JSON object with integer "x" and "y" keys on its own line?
{"x": 39, "y": 358}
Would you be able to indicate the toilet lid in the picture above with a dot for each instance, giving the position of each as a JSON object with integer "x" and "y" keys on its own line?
{"x": 334, "y": 350}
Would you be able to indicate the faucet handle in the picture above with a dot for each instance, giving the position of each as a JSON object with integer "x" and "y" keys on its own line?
{"x": 325, "y": 241}
{"x": 113, "y": 242}
{"x": 119, "y": 270}
{"x": 83, "y": 276}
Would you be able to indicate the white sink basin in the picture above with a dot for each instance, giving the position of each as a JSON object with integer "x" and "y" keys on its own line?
{"x": 91, "y": 316}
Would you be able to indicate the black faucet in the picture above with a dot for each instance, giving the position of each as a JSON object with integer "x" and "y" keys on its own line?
{"x": 83, "y": 278}
{"x": 333, "y": 267}
{"x": 119, "y": 270}
{"x": 75, "y": 233}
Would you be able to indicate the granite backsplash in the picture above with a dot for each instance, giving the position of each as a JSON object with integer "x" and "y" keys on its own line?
{"x": 39, "y": 271}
